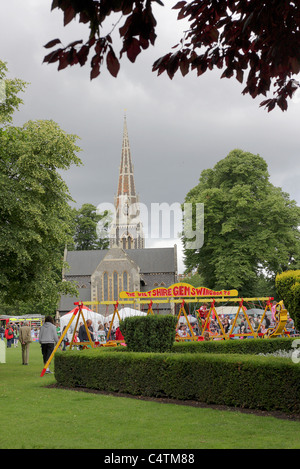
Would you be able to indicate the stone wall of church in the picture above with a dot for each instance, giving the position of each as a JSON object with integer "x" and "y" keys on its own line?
{"x": 155, "y": 280}
{"x": 114, "y": 274}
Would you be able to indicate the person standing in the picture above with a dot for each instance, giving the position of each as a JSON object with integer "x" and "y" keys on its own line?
{"x": 16, "y": 335}
{"x": 25, "y": 340}
{"x": 83, "y": 336}
{"x": 2, "y": 331}
{"x": 9, "y": 335}
{"x": 48, "y": 338}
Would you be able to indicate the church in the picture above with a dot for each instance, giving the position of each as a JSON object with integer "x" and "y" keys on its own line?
{"x": 127, "y": 265}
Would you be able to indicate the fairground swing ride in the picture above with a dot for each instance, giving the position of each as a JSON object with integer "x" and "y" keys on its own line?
{"x": 185, "y": 294}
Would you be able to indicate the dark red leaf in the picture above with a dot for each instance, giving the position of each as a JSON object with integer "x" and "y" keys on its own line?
{"x": 95, "y": 71}
{"x": 63, "y": 61}
{"x": 112, "y": 63}
{"x": 240, "y": 75}
{"x": 52, "y": 43}
{"x": 282, "y": 103}
{"x": 74, "y": 43}
{"x": 69, "y": 14}
{"x": 53, "y": 56}
{"x": 82, "y": 54}
{"x": 100, "y": 45}
{"x": 133, "y": 50}
{"x": 184, "y": 66}
{"x": 179, "y": 5}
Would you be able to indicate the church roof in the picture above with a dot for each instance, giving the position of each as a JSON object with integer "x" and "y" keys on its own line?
{"x": 150, "y": 260}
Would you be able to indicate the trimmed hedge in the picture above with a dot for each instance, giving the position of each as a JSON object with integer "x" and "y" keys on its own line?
{"x": 150, "y": 333}
{"x": 233, "y": 380}
{"x": 246, "y": 346}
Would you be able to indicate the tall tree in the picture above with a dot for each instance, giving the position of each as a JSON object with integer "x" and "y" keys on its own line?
{"x": 35, "y": 215}
{"x": 88, "y": 234}
{"x": 9, "y": 95}
{"x": 250, "y": 226}
{"x": 255, "y": 41}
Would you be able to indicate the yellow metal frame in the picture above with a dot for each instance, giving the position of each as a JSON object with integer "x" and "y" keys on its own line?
{"x": 77, "y": 312}
{"x": 281, "y": 318}
{"x": 211, "y": 311}
{"x": 192, "y": 337}
{"x": 113, "y": 318}
{"x": 137, "y": 301}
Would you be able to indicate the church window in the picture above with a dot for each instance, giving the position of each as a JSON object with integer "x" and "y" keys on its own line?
{"x": 125, "y": 281}
{"x": 105, "y": 286}
{"x": 124, "y": 243}
{"x": 129, "y": 242}
{"x": 116, "y": 290}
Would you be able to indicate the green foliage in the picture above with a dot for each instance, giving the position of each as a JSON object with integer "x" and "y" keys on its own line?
{"x": 150, "y": 333}
{"x": 288, "y": 288}
{"x": 9, "y": 99}
{"x": 250, "y": 226}
{"x": 195, "y": 279}
{"x": 235, "y": 380}
{"x": 87, "y": 233}
{"x": 249, "y": 346}
{"x": 35, "y": 215}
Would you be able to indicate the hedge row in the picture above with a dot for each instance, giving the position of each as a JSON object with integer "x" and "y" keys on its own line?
{"x": 233, "y": 380}
{"x": 247, "y": 346}
{"x": 152, "y": 333}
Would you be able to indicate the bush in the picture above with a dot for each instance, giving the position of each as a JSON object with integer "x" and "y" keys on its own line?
{"x": 247, "y": 346}
{"x": 150, "y": 333}
{"x": 234, "y": 380}
{"x": 288, "y": 288}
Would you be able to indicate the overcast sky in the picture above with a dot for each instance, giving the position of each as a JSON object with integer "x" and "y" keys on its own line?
{"x": 176, "y": 127}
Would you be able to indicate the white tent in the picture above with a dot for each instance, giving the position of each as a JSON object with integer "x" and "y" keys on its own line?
{"x": 87, "y": 313}
{"x": 124, "y": 313}
{"x": 191, "y": 319}
{"x": 225, "y": 310}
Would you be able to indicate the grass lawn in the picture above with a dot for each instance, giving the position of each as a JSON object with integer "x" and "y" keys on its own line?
{"x": 36, "y": 416}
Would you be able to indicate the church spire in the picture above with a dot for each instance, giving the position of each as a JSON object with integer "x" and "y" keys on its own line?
{"x": 126, "y": 186}
{"x": 127, "y": 231}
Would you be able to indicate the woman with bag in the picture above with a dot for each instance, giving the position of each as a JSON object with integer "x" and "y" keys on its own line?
{"x": 9, "y": 335}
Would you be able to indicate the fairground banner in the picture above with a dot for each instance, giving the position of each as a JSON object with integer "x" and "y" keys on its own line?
{"x": 179, "y": 290}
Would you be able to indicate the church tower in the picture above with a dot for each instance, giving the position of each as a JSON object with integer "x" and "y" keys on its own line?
{"x": 126, "y": 229}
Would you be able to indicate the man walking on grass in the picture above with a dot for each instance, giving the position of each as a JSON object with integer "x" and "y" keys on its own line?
{"x": 25, "y": 340}
{"x": 48, "y": 338}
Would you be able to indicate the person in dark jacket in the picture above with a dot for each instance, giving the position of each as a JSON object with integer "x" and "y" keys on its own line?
{"x": 48, "y": 338}
{"x": 83, "y": 337}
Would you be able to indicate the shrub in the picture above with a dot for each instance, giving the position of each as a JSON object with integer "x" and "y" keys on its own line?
{"x": 247, "y": 346}
{"x": 150, "y": 333}
{"x": 288, "y": 288}
{"x": 234, "y": 380}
